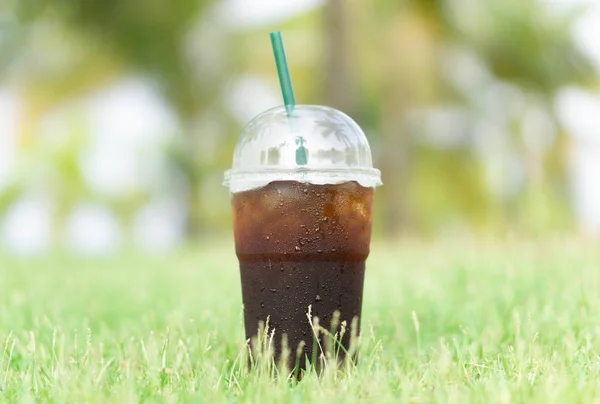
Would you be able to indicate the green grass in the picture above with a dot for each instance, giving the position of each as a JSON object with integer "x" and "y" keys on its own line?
{"x": 444, "y": 322}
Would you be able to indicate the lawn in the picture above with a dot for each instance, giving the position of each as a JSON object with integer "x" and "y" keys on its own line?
{"x": 451, "y": 321}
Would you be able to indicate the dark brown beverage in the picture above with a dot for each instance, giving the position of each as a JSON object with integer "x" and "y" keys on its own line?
{"x": 302, "y": 245}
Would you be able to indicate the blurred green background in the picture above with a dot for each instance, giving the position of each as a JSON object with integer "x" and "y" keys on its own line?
{"x": 118, "y": 118}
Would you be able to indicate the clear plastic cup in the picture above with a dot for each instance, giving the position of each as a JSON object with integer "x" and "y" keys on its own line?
{"x": 302, "y": 194}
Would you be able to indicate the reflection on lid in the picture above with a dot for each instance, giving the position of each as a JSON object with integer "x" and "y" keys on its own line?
{"x": 301, "y": 152}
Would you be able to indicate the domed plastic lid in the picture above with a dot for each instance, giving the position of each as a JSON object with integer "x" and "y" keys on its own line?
{"x": 315, "y": 144}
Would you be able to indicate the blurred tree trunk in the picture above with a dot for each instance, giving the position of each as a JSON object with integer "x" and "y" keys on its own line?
{"x": 340, "y": 83}
{"x": 408, "y": 81}
{"x": 195, "y": 226}
{"x": 395, "y": 160}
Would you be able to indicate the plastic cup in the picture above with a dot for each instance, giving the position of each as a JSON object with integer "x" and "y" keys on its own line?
{"x": 302, "y": 195}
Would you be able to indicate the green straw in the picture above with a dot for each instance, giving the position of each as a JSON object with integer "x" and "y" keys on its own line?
{"x": 282, "y": 71}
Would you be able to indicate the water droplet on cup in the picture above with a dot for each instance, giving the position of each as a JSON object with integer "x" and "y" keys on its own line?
{"x": 297, "y": 248}
{"x": 317, "y": 298}
{"x": 273, "y": 290}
